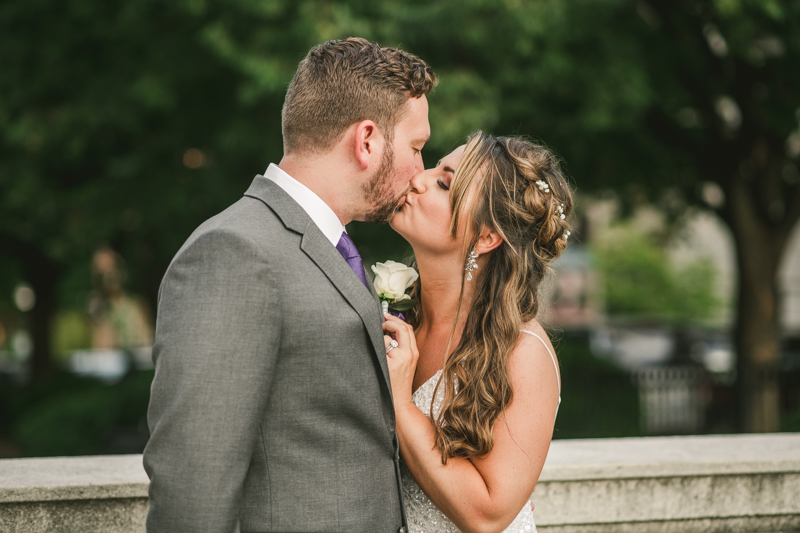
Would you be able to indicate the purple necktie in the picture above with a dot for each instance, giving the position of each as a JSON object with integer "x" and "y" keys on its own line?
{"x": 347, "y": 248}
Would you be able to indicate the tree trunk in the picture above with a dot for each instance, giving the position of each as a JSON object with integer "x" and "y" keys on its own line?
{"x": 757, "y": 328}
{"x": 757, "y": 340}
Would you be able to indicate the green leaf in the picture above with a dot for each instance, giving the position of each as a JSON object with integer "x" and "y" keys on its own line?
{"x": 403, "y": 305}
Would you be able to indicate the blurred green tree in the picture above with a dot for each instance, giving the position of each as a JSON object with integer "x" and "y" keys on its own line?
{"x": 639, "y": 281}
{"x": 128, "y": 123}
{"x": 677, "y": 102}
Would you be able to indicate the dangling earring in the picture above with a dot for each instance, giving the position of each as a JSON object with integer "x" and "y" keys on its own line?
{"x": 471, "y": 263}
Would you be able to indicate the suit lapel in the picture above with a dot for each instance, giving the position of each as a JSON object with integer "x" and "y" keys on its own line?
{"x": 320, "y": 250}
{"x": 333, "y": 265}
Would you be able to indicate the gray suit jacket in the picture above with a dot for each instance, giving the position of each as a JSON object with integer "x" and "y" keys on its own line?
{"x": 271, "y": 406}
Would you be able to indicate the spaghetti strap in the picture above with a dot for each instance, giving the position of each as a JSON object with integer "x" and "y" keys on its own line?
{"x": 558, "y": 375}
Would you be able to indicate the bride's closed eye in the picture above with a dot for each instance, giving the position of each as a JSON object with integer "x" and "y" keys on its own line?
{"x": 444, "y": 182}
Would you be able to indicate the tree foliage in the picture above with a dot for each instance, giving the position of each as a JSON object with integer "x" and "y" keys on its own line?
{"x": 127, "y": 124}
{"x": 639, "y": 281}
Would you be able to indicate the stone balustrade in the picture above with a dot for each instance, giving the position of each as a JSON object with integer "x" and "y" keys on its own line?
{"x": 650, "y": 485}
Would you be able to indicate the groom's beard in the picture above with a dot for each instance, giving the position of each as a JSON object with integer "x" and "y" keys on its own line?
{"x": 378, "y": 191}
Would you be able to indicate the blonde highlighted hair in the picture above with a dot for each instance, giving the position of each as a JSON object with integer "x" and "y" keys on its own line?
{"x": 503, "y": 173}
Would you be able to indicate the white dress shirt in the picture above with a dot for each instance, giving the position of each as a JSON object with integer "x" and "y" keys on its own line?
{"x": 322, "y": 215}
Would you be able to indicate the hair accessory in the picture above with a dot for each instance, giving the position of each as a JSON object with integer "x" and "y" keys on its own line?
{"x": 392, "y": 346}
{"x": 471, "y": 263}
{"x": 561, "y": 212}
{"x": 567, "y": 234}
{"x": 543, "y": 186}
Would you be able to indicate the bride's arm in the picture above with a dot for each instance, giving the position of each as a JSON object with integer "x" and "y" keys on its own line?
{"x": 480, "y": 494}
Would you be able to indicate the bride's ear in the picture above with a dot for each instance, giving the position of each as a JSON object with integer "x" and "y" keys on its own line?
{"x": 488, "y": 240}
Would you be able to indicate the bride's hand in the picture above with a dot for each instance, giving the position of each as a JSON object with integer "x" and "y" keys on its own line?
{"x": 401, "y": 359}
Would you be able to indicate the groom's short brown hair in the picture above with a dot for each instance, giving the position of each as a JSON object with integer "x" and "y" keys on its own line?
{"x": 346, "y": 81}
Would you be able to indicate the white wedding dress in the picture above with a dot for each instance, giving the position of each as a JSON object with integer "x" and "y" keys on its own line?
{"x": 422, "y": 515}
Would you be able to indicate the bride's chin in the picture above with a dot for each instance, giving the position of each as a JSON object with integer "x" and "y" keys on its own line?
{"x": 399, "y": 227}
{"x": 395, "y": 226}
{"x": 396, "y": 219}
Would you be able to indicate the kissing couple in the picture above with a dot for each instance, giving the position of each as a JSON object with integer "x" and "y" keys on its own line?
{"x": 284, "y": 400}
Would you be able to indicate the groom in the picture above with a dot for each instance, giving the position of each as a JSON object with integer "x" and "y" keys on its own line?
{"x": 271, "y": 408}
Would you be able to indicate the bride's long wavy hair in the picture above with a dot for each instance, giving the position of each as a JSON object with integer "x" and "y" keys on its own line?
{"x": 521, "y": 193}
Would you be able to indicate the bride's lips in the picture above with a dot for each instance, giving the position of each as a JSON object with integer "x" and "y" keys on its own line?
{"x": 403, "y": 202}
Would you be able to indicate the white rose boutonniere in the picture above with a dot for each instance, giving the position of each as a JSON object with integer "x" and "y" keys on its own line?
{"x": 391, "y": 281}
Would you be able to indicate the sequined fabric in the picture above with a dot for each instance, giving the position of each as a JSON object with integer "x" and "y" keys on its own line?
{"x": 423, "y": 516}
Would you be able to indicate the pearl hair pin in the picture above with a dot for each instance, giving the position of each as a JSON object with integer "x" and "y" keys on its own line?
{"x": 544, "y": 187}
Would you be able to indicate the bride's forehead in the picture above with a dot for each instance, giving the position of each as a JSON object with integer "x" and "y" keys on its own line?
{"x": 453, "y": 157}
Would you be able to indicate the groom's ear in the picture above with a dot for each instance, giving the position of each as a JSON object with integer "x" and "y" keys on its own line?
{"x": 488, "y": 240}
{"x": 367, "y": 143}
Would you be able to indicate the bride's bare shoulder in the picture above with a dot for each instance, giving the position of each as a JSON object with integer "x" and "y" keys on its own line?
{"x": 532, "y": 334}
{"x": 534, "y": 353}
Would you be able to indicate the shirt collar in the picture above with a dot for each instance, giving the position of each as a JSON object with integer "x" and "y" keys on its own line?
{"x": 319, "y": 212}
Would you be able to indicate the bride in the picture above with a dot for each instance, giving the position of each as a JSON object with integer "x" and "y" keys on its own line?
{"x": 474, "y": 434}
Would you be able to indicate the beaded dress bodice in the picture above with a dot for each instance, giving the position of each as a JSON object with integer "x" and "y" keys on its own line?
{"x": 423, "y": 516}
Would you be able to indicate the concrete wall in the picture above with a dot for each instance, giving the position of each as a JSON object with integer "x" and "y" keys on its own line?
{"x": 671, "y": 484}
{"x": 106, "y": 494}
{"x": 648, "y": 485}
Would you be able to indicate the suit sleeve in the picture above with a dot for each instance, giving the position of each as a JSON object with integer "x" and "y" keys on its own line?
{"x": 217, "y": 338}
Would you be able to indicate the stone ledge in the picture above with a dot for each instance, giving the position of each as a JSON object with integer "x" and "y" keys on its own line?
{"x": 756, "y": 524}
{"x": 118, "y": 515}
{"x": 710, "y": 484}
{"x": 72, "y": 478}
{"x": 687, "y": 484}
{"x": 592, "y": 459}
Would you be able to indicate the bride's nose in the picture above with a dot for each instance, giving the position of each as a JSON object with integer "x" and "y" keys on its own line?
{"x": 419, "y": 182}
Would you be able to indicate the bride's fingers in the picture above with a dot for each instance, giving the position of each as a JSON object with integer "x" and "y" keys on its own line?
{"x": 401, "y": 359}
{"x": 391, "y": 319}
{"x": 394, "y": 324}
{"x": 402, "y": 332}
{"x": 386, "y": 341}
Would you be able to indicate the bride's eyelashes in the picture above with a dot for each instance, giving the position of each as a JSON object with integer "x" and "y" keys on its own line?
{"x": 442, "y": 184}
